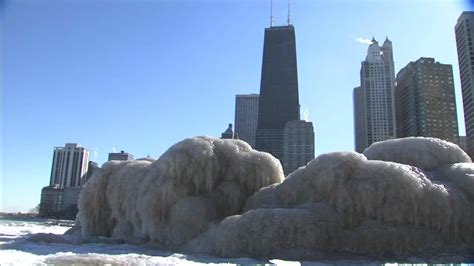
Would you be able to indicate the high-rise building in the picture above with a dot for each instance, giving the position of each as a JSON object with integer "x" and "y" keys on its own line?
{"x": 360, "y": 129}
{"x": 425, "y": 104}
{"x": 120, "y": 156}
{"x": 464, "y": 38}
{"x": 69, "y": 167}
{"x": 278, "y": 101}
{"x": 70, "y": 163}
{"x": 246, "y": 116}
{"x": 298, "y": 147}
{"x": 373, "y": 100}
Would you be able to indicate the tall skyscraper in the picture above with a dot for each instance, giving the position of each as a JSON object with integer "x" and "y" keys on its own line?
{"x": 298, "y": 147}
{"x": 424, "y": 101}
{"x": 464, "y": 37}
{"x": 246, "y": 116}
{"x": 278, "y": 102}
{"x": 374, "y": 98}
{"x": 70, "y": 164}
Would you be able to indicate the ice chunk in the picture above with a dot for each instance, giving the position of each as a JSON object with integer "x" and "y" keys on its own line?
{"x": 171, "y": 200}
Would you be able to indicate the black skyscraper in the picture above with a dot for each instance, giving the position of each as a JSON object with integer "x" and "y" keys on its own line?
{"x": 278, "y": 102}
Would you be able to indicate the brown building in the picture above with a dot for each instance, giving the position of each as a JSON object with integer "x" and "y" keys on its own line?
{"x": 425, "y": 104}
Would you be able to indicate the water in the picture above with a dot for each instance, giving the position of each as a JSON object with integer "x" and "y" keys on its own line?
{"x": 40, "y": 242}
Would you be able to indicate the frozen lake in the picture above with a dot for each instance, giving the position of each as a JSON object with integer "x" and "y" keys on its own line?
{"x": 42, "y": 242}
{"x": 19, "y": 246}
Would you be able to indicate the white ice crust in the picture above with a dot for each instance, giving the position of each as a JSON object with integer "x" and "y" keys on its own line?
{"x": 424, "y": 153}
{"x": 172, "y": 200}
{"x": 220, "y": 197}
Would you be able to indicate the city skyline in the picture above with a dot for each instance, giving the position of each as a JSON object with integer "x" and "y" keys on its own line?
{"x": 134, "y": 91}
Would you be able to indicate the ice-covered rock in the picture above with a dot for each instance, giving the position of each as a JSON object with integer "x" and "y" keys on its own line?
{"x": 221, "y": 197}
{"x": 291, "y": 233}
{"x": 172, "y": 200}
{"x": 346, "y": 203}
{"x": 424, "y": 153}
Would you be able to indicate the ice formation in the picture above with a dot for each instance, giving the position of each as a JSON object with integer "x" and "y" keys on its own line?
{"x": 424, "y": 153}
{"x": 204, "y": 195}
{"x": 344, "y": 202}
{"x": 173, "y": 199}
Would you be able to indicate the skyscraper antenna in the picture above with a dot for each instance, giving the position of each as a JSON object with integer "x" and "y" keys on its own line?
{"x": 289, "y": 12}
{"x": 271, "y": 13}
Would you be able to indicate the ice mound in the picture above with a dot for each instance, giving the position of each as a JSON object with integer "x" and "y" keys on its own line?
{"x": 342, "y": 202}
{"x": 424, "y": 153}
{"x": 222, "y": 198}
{"x": 173, "y": 199}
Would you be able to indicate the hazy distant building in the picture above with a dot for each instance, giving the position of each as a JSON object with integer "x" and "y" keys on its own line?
{"x": 120, "y": 156}
{"x": 70, "y": 163}
{"x": 278, "y": 101}
{"x": 229, "y": 133}
{"x": 70, "y": 201}
{"x": 424, "y": 101}
{"x": 374, "y": 98}
{"x": 298, "y": 145}
{"x": 246, "y": 117}
{"x": 51, "y": 200}
{"x": 91, "y": 169}
{"x": 464, "y": 38}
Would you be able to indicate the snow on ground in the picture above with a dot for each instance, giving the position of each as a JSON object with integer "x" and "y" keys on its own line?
{"x": 30, "y": 243}
{"x": 10, "y": 229}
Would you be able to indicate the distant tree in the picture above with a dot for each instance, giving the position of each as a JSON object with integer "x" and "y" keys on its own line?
{"x": 35, "y": 209}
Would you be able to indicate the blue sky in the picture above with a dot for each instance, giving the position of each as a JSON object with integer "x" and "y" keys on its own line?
{"x": 140, "y": 76}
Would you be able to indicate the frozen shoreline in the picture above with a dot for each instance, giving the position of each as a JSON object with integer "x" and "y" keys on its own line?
{"x": 37, "y": 242}
{"x": 405, "y": 200}
{"x": 401, "y": 199}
